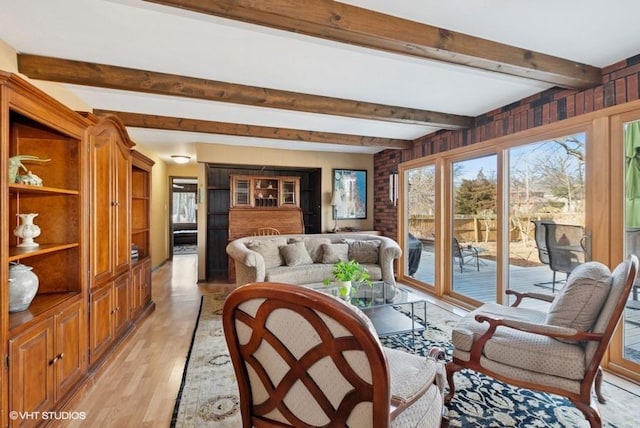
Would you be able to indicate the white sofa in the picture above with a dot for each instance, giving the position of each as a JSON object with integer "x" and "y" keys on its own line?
{"x": 307, "y": 259}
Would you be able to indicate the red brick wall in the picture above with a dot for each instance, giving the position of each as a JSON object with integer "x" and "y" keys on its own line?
{"x": 620, "y": 84}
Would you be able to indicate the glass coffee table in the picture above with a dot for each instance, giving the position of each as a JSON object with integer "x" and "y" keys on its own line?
{"x": 381, "y": 305}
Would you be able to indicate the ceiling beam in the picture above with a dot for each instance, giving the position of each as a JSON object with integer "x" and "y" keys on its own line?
{"x": 357, "y": 26}
{"x": 128, "y": 79}
{"x": 139, "y": 120}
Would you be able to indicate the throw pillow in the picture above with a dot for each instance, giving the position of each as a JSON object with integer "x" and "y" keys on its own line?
{"x": 269, "y": 249}
{"x": 334, "y": 253}
{"x": 296, "y": 254}
{"x": 578, "y": 304}
{"x": 313, "y": 245}
{"x": 364, "y": 251}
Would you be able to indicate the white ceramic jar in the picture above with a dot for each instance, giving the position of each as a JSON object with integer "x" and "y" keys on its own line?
{"x": 23, "y": 286}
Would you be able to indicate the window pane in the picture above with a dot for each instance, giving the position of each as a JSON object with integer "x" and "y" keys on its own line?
{"x": 631, "y": 326}
{"x": 474, "y": 228}
{"x": 546, "y": 213}
{"x": 421, "y": 200}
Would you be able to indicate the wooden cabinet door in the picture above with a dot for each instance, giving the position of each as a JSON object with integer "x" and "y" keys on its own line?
{"x": 121, "y": 312}
{"x": 31, "y": 377}
{"x": 101, "y": 332}
{"x": 122, "y": 238}
{"x": 136, "y": 280}
{"x": 102, "y": 200}
{"x": 146, "y": 282}
{"x": 71, "y": 360}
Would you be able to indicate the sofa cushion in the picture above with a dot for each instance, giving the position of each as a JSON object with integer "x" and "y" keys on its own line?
{"x": 364, "y": 251}
{"x": 578, "y": 304}
{"x": 334, "y": 253}
{"x": 295, "y": 254}
{"x": 307, "y": 274}
{"x": 313, "y": 245}
{"x": 269, "y": 249}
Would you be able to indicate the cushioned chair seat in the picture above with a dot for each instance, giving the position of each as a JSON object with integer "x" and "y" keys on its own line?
{"x": 558, "y": 351}
{"x": 513, "y": 348}
{"x": 410, "y": 376}
{"x": 304, "y": 358}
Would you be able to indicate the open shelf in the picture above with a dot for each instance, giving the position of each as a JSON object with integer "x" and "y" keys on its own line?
{"x": 23, "y": 188}
{"x": 17, "y": 253}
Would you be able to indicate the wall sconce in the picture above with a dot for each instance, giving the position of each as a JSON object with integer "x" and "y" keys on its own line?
{"x": 335, "y": 199}
{"x": 181, "y": 159}
{"x": 393, "y": 187}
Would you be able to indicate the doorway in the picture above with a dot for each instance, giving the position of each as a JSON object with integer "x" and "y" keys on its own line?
{"x": 184, "y": 215}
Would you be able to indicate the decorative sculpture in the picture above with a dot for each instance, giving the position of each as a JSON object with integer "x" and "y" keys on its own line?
{"x": 15, "y": 162}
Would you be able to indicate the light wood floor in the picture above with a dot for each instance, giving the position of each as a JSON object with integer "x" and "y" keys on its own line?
{"x": 139, "y": 386}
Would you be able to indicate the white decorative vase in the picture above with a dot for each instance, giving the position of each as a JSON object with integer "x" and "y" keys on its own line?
{"x": 23, "y": 286}
{"x": 27, "y": 230}
{"x": 344, "y": 290}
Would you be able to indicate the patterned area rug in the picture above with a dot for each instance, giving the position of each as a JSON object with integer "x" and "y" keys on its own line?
{"x": 209, "y": 397}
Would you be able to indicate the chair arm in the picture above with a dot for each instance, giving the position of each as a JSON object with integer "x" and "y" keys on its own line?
{"x": 520, "y": 296}
{"x": 553, "y": 331}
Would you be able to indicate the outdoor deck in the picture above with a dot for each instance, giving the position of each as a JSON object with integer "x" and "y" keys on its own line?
{"x": 481, "y": 286}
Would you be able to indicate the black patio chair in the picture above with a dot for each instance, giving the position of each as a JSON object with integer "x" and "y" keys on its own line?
{"x": 565, "y": 247}
{"x": 465, "y": 255}
{"x": 415, "y": 253}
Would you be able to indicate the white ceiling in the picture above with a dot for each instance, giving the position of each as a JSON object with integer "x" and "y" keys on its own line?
{"x": 136, "y": 34}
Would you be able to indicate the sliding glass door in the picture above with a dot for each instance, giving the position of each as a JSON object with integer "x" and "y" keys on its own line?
{"x": 421, "y": 223}
{"x": 473, "y": 228}
{"x": 625, "y": 346}
{"x": 546, "y": 191}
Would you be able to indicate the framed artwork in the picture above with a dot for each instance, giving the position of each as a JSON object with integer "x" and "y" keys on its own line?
{"x": 349, "y": 194}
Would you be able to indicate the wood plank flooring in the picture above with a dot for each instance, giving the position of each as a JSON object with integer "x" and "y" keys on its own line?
{"x": 139, "y": 386}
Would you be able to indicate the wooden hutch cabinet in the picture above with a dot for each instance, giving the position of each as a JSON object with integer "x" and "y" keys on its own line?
{"x": 264, "y": 201}
{"x": 94, "y": 200}
{"x": 265, "y": 192}
{"x": 45, "y": 346}
{"x": 259, "y": 201}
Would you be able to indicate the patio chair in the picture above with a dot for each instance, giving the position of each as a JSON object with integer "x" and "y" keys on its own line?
{"x": 565, "y": 248}
{"x": 305, "y": 358}
{"x": 465, "y": 255}
{"x": 540, "y": 231}
{"x": 558, "y": 351}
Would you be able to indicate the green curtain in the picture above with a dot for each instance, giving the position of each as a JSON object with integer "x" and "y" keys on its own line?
{"x": 632, "y": 148}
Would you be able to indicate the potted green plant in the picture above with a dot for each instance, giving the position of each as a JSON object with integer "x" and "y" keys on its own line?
{"x": 349, "y": 274}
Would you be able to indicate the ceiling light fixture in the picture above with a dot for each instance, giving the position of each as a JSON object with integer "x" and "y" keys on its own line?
{"x": 180, "y": 158}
